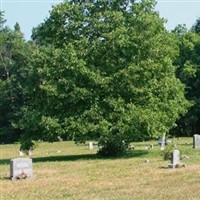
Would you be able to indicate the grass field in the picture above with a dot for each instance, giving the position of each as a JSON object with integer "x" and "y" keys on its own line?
{"x": 64, "y": 170}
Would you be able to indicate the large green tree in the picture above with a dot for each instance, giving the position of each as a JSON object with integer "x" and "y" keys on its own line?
{"x": 103, "y": 70}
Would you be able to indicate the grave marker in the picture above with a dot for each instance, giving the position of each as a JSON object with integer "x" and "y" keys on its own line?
{"x": 91, "y": 145}
{"x": 21, "y": 168}
{"x": 196, "y": 141}
{"x": 30, "y": 152}
{"x": 175, "y": 159}
{"x": 21, "y": 153}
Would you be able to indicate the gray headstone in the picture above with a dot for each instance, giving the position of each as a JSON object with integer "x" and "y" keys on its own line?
{"x": 21, "y": 168}
{"x": 196, "y": 141}
{"x": 175, "y": 158}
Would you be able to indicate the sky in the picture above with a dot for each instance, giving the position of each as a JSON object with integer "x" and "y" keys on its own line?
{"x": 30, "y": 13}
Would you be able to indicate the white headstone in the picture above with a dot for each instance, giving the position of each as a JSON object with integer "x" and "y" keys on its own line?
{"x": 21, "y": 153}
{"x": 21, "y": 168}
{"x": 91, "y": 145}
{"x": 30, "y": 152}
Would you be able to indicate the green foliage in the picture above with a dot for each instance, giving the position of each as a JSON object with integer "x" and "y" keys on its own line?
{"x": 166, "y": 153}
{"x": 180, "y": 30}
{"x": 26, "y": 145}
{"x": 113, "y": 145}
{"x": 17, "y": 27}
{"x": 2, "y": 20}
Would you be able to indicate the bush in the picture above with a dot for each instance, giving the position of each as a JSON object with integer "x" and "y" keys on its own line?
{"x": 27, "y": 145}
{"x": 112, "y": 146}
{"x": 166, "y": 153}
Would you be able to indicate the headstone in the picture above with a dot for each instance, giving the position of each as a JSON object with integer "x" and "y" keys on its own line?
{"x": 30, "y": 152}
{"x": 91, "y": 145}
{"x": 196, "y": 141}
{"x": 21, "y": 153}
{"x": 162, "y": 144}
{"x": 21, "y": 168}
{"x": 175, "y": 159}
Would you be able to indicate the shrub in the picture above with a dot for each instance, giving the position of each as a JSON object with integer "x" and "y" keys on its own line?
{"x": 112, "y": 146}
{"x": 166, "y": 153}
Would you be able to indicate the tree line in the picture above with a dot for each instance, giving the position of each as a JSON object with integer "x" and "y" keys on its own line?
{"x": 99, "y": 70}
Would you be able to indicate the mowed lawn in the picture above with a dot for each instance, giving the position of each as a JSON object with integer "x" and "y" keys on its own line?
{"x": 64, "y": 170}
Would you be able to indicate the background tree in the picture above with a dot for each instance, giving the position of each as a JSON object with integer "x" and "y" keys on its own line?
{"x": 14, "y": 59}
{"x": 196, "y": 27}
{"x": 188, "y": 71}
{"x": 103, "y": 70}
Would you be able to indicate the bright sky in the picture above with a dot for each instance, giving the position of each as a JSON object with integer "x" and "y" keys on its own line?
{"x": 29, "y": 13}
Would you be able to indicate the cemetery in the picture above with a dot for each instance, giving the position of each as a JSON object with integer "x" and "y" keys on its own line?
{"x": 102, "y": 103}
{"x": 64, "y": 170}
